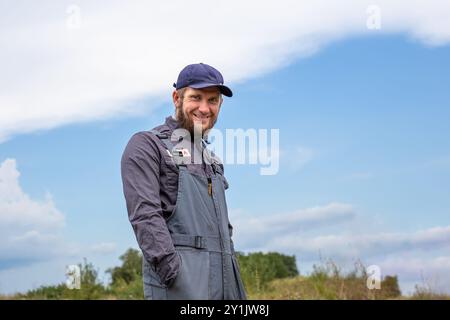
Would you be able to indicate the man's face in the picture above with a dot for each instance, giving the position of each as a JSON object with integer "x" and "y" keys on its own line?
{"x": 198, "y": 106}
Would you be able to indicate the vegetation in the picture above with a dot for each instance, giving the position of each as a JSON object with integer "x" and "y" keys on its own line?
{"x": 266, "y": 276}
{"x": 259, "y": 269}
{"x": 327, "y": 281}
{"x": 91, "y": 288}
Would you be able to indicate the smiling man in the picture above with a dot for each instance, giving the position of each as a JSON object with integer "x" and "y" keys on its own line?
{"x": 175, "y": 193}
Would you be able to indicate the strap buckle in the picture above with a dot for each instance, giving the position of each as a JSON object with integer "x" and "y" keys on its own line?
{"x": 198, "y": 242}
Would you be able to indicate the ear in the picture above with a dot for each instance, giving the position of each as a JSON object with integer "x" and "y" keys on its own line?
{"x": 176, "y": 98}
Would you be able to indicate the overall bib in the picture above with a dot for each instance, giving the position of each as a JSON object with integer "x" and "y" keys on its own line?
{"x": 199, "y": 228}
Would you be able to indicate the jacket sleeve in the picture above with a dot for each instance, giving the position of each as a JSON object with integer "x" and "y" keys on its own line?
{"x": 140, "y": 169}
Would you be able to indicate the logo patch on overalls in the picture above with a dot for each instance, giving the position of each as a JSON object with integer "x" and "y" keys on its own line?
{"x": 181, "y": 155}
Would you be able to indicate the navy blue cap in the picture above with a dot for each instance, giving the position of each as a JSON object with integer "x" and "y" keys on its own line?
{"x": 200, "y": 76}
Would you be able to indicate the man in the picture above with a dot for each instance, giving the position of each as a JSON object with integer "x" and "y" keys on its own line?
{"x": 175, "y": 193}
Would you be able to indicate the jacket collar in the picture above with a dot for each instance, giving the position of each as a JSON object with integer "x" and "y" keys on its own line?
{"x": 172, "y": 123}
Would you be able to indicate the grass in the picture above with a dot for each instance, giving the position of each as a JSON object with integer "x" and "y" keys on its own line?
{"x": 326, "y": 282}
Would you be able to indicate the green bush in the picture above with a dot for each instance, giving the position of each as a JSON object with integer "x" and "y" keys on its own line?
{"x": 130, "y": 270}
{"x": 126, "y": 280}
{"x": 90, "y": 288}
{"x": 258, "y": 269}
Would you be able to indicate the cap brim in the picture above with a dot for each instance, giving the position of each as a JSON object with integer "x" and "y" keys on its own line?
{"x": 223, "y": 89}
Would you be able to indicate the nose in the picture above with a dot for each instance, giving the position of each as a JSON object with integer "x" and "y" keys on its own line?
{"x": 203, "y": 107}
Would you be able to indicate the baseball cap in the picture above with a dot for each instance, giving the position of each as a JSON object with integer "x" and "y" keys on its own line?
{"x": 201, "y": 75}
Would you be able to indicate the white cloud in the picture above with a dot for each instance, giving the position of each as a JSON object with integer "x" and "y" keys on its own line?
{"x": 428, "y": 272}
{"x": 252, "y": 230}
{"x": 32, "y": 230}
{"x": 17, "y": 209}
{"x": 362, "y": 245}
{"x": 53, "y": 75}
{"x": 308, "y": 232}
{"x": 411, "y": 266}
{"x": 29, "y": 229}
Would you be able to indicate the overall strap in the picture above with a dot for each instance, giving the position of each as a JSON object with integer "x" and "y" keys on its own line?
{"x": 213, "y": 161}
{"x": 165, "y": 139}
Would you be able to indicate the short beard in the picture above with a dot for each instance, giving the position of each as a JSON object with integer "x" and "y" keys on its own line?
{"x": 186, "y": 123}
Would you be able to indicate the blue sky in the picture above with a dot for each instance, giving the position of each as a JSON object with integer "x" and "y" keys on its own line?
{"x": 364, "y": 165}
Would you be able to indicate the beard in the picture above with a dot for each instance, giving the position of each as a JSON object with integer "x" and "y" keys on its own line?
{"x": 186, "y": 122}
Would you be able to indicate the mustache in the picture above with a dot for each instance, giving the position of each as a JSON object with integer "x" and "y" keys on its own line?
{"x": 210, "y": 115}
{"x": 186, "y": 121}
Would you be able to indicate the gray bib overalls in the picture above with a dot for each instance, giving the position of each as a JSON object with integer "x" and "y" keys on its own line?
{"x": 199, "y": 228}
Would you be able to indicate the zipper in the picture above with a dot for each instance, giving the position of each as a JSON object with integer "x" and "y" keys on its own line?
{"x": 209, "y": 186}
{"x": 203, "y": 145}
